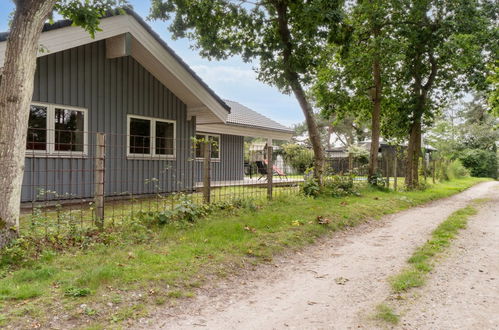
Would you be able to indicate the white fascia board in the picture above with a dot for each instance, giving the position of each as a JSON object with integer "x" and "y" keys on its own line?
{"x": 73, "y": 36}
{"x": 57, "y": 40}
{"x": 244, "y": 131}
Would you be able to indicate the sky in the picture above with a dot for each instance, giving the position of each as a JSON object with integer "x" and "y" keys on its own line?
{"x": 231, "y": 79}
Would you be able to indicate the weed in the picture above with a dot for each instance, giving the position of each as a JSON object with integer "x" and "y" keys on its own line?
{"x": 406, "y": 280}
{"x": 76, "y": 292}
{"x": 386, "y": 313}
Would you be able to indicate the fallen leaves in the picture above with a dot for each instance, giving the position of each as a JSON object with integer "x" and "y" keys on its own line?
{"x": 322, "y": 220}
{"x": 341, "y": 280}
{"x": 250, "y": 229}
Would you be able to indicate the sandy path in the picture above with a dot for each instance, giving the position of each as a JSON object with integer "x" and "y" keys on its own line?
{"x": 463, "y": 290}
{"x": 303, "y": 291}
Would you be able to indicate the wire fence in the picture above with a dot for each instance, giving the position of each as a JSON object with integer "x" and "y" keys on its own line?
{"x": 89, "y": 179}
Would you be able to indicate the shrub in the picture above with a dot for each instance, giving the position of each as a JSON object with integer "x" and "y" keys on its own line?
{"x": 339, "y": 185}
{"x": 453, "y": 170}
{"x": 310, "y": 187}
{"x": 480, "y": 163}
{"x": 299, "y": 157}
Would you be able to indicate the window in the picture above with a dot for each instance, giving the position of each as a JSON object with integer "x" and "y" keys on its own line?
{"x": 56, "y": 130}
{"x": 69, "y": 130}
{"x": 37, "y": 128}
{"x": 151, "y": 137}
{"x": 215, "y": 145}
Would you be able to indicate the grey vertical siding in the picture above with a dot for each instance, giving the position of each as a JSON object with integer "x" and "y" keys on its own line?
{"x": 109, "y": 89}
{"x": 231, "y": 164}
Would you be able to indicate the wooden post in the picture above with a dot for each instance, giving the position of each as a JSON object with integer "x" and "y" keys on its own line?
{"x": 99, "y": 174}
{"x": 387, "y": 169}
{"x": 350, "y": 162}
{"x": 425, "y": 167}
{"x": 270, "y": 172}
{"x": 207, "y": 172}
{"x": 433, "y": 170}
{"x": 395, "y": 175}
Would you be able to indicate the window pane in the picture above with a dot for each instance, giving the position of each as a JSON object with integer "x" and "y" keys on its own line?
{"x": 199, "y": 145}
{"x": 164, "y": 138}
{"x": 140, "y": 136}
{"x": 69, "y": 126}
{"x": 215, "y": 146}
{"x": 37, "y": 128}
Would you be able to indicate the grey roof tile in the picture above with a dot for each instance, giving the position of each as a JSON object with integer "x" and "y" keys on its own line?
{"x": 244, "y": 116}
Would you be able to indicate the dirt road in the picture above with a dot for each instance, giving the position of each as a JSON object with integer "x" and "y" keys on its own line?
{"x": 337, "y": 283}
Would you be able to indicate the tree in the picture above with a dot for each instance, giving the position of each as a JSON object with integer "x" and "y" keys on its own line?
{"x": 346, "y": 131}
{"x": 356, "y": 79}
{"x": 16, "y": 89}
{"x": 285, "y": 36}
{"x": 447, "y": 47}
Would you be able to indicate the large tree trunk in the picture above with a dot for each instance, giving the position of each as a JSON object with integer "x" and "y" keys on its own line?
{"x": 313, "y": 130}
{"x": 375, "y": 120}
{"x": 16, "y": 90}
{"x": 413, "y": 154}
{"x": 293, "y": 80}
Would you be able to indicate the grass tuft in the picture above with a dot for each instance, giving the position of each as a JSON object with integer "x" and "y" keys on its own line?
{"x": 385, "y": 313}
{"x": 420, "y": 261}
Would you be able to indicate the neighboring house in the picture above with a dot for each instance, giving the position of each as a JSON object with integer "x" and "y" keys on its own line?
{"x": 128, "y": 84}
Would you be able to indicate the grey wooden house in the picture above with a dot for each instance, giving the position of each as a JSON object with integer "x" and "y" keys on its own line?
{"x": 128, "y": 84}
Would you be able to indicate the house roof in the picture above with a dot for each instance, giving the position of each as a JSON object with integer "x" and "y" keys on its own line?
{"x": 67, "y": 23}
{"x": 243, "y": 116}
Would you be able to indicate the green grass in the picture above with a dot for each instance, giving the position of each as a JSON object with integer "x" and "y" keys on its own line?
{"x": 421, "y": 260}
{"x": 385, "y": 313}
{"x": 138, "y": 268}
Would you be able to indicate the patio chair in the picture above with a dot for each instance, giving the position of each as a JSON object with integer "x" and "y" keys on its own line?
{"x": 261, "y": 169}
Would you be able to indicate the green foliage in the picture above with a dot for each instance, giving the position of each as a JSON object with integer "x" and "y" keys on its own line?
{"x": 480, "y": 163}
{"x": 421, "y": 260}
{"x": 76, "y": 292}
{"x": 377, "y": 180}
{"x": 493, "y": 81}
{"x": 17, "y": 252}
{"x": 87, "y": 14}
{"x": 453, "y": 170}
{"x": 385, "y": 313}
{"x": 310, "y": 187}
{"x": 299, "y": 157}
{"x": 251, "y": 30}
{"x": 339, "y": 186}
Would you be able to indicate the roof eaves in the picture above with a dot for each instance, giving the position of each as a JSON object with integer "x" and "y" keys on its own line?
{"x": 260, "y": 127}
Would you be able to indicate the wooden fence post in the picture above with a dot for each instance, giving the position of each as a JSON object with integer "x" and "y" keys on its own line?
{"x": 433, "y": 169}
{"x": 207, "y": 172}
{"x": 99, "y": 174}
{"x": 350, "y": 162}
{"x": 387, "y": 169}
{"x": 395, "y": 175}
{"x": 270, "y": 172}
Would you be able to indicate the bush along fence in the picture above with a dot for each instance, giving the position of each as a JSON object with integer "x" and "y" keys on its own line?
{"x": 93, "y": 180}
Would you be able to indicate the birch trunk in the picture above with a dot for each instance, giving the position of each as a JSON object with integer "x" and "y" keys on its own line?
{"x": 16, "y": 90}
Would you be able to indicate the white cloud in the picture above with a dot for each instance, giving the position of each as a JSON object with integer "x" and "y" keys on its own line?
{"x": 224, "y": 74}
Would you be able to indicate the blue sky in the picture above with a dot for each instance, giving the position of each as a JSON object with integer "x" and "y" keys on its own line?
{"x": 232, "y": 79}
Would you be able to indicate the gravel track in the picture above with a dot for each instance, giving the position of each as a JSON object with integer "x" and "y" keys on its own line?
{"x": 336, "y": 283}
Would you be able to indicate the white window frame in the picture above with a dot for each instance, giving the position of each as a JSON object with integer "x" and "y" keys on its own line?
{"x": 50, "y": 143}
{"x": 206, "y": 135}
{"x": 152, "y": 153}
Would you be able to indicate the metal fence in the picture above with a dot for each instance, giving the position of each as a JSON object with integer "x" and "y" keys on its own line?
{"x": 94, "y": 179}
